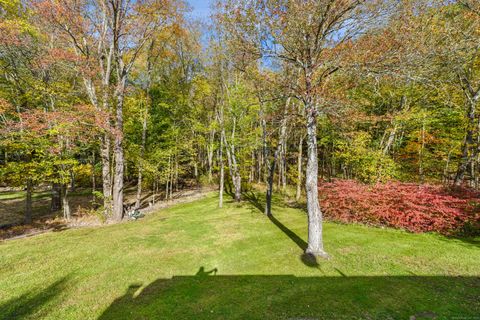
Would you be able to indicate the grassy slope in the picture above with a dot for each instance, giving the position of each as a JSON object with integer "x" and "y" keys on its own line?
{"x": 150, "y": 269}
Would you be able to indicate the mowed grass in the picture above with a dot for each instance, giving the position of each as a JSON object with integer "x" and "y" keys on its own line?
{"x": 195, "y": 261}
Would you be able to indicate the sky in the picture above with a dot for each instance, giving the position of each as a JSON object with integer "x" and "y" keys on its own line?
{"x": 201, "y": 8}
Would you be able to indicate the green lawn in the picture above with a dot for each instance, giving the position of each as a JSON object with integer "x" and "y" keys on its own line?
{"x": 12, "y": 195}
{"x": 161, "y": 267}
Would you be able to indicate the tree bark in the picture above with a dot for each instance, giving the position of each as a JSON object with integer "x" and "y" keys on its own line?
{"x": 315, "y": 218}
{"x": 65, "y": 203}
{"x": 222, "y": 173}
{"x": 72, "y": 180}
{"x": 420, "y": 153}
{"x": 28, "y": 202}
{"x": 210, "y": 149}
{"x": 142, "y": 152}
{"x": 56, "y": 203}
{"x": 106, "y": 174}
{"x": 278, "y": 150}
{"x": 284, "y": 164}
{"x": 299, "y": 169}
{"x": 232, "y": 163}
{"x": 466, "y": 146}
{"x": 118, "y": 154}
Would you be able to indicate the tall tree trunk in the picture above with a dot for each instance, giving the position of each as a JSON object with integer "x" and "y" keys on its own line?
{"x": 315, "y": 218}
{"x": 65, "y": 203}
{"x": 278, "y": 150}
{"x": 56, "y": 203}
{"x": 72, "y": 180}
{"x": 222, "y": 172}
{"x": 284, "y": 165}
{"x": 265, "y": 152}
{"x": 252, "y": 168}
{"x": 210, "y": 149}
{"x": 142, "y": 152}
{"x": 118, "y": 153}
{"x": 420, "y": 153}
{"x": 232, "y": 163}
{"x": 28, "y": 202}
{"x": 466, "y": 146}
{"x": 299, "y": 169}
{"x": 94, "y": 180}
{"x": 176, "y": 171}
{"x": 390, "y": 140}
{"x": 167, "y": 188}
{"x": 106, "y": 174}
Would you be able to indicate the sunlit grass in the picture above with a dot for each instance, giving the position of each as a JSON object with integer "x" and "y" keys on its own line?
{"x": 151, "y": 269}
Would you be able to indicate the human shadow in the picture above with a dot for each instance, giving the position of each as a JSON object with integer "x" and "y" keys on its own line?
{"x": 291, "y": 297}
{"x": 202, "y": 273}
{"x": 28, "y": 304}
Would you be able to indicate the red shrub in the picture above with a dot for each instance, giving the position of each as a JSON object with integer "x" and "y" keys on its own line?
{"x": 416, "y": 208}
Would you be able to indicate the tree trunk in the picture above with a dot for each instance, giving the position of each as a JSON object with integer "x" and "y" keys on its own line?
{"x": 284, "y": 165}
{"x": 315, "y": 219}
{"x": 119, "y": 157}
{"x": 56, "y": 203}
{"x": 466, "y": 146}
{"x": 210, "y": 148}
{"x": 391, "y": 139}
{"x": 176, "y": 172}
{"x": 106, "y": 176}
{"x": 65, "y": 203}
{"x": 222, "y": 173}
{"x": 278, "y": 150}
{"x": 142, "y": 152}
{"x": 28, "y": 202}
{"x": 264, "y": 150}
{"x": 94, "y": 181}
{"x": 234, "y": 172}
{"x": 299, "y": 169}
{"x": 420, "y": 153}
{"x": 252, "y": 168}
{"x": 167, "y": 188}
{"x": 72, "y": 180}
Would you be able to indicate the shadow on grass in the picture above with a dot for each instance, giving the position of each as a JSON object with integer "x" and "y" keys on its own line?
{"x": 28, "y": 304}
{"x": 291, "y": 297}
{"x": 307, "y": 259}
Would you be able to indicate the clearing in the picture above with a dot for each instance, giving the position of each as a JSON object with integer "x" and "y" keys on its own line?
{"x": 195, "y": 261}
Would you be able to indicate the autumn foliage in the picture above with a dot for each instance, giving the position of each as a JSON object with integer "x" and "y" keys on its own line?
{"x": 413, "y": 207}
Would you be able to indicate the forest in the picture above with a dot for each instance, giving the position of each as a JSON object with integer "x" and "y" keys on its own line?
{"x": 356, "y": 113}
{"x": 115, "y": 95}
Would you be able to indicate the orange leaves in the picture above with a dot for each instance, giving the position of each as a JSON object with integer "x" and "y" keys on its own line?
{"x": 56, "y": 55}
{"x": 81, "y": 122}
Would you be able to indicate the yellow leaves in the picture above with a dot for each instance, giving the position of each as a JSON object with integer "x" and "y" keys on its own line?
{"x": 5, "y": 106}
{"x": 9, "y": 6}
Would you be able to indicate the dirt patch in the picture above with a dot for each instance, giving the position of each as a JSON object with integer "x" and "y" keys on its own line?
{"x": 183, "y": 196}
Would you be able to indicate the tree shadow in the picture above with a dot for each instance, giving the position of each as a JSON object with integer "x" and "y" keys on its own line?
{"x": 254, "y": 200}
{"x": 466, "y": 241}
{"x": 308, "y": 259}
{"x": 29, "y": 303}
{"x": 289, "y": 297}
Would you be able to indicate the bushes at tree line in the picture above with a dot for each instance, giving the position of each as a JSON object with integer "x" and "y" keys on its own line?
{"x": 413, "y": 207}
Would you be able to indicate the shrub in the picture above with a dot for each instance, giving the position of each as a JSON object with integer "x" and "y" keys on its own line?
{"x": 413, "y": 207}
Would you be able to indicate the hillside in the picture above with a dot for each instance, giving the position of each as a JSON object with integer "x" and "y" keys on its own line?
{"x": 195, "y": 261}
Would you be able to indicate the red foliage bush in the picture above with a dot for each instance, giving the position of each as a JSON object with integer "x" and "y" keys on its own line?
{"x": 416, "y": 208}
